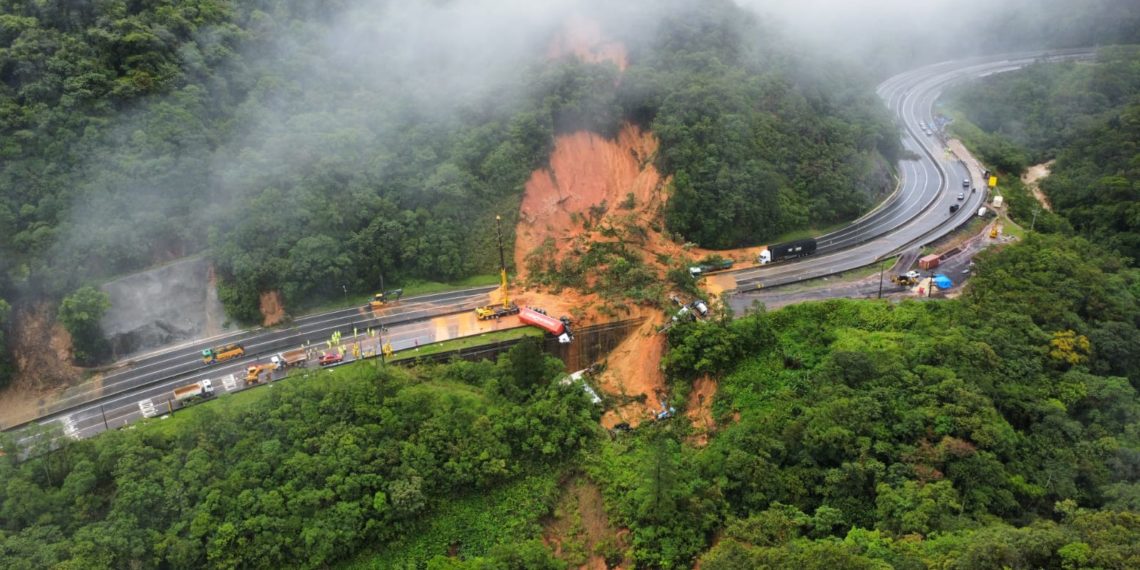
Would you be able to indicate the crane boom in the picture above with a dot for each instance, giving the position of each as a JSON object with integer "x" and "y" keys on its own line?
{"x": 502, "y": 262}
{"x": 494, "y": 311}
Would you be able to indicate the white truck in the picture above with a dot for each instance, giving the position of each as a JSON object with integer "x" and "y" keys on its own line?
{"x": 288, "y": 359}
{"x": 191, "y": 393}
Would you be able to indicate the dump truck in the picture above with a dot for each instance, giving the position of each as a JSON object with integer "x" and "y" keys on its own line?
{"x": 383, "y": 298}
{"x": 191, "y": 393}
{"x": 711, "y": 267}
{"x": 291, "y": 358}
{"x": 506, "y": 308}
{"x": 222, "y": 353}
{"x": 560, "y": 328}
{"x": 258, "y": 373}
{"x": 788, "y": 250}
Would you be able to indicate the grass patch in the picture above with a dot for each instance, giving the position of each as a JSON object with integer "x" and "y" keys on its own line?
{"x": 811, "y": 232}
{"x": 467, "y": 342}
{"x": 509, "y": 514}
{"x": 412, "y": 288}
{"x": 850, "y": 275}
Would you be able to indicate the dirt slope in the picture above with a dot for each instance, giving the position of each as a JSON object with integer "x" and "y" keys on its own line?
{"x": 41, "y": 349}
{"x": 583, "y": 38}
{"x": 1032, "y": 180}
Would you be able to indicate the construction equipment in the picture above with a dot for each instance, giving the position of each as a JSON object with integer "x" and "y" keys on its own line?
{"x": 995, "y": 231}
{"x": 222, "y": 353}
{"x": 507, "y": 308}
{"x": 910, "y": 279}
{"x": 191, "y": 393}
{"x": 259, "y": 372}
{"x": 383, "y": 298}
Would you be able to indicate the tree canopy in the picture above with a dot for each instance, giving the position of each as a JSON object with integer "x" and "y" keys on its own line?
{"x": 998, "y": 429}
{"x": 1086, "y": 117}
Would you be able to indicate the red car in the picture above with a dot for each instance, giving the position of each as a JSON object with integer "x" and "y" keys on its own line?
{"x": 330, "y": 358}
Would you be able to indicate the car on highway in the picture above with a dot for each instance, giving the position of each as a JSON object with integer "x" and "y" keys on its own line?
{"x": 961, "y": 196}
{"x": 965, "y": 183}
{"x": 330, "y": 358}
{"x": 953, "y": 208}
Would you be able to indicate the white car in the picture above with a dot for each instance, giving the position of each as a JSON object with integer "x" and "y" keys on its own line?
{"x": 961, "y": 195}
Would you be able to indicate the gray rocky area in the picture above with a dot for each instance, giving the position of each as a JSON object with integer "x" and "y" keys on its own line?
{"x": 173, "y": 303}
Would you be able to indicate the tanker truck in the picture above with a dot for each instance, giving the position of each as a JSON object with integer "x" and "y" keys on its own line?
{"x": 560, "y": 328}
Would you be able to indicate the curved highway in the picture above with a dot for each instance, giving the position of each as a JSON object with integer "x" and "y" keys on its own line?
{"x": 916, "y": 214}
{"x": 919, "y": 212}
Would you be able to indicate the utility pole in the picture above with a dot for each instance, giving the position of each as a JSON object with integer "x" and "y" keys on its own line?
{"x": 882, "y": 267}
{"x": 104, "y": 413}
{"x": 345, "y": 287}
{"x": 1034, "y": 222}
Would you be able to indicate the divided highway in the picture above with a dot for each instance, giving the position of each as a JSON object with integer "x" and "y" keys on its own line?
{"x": 916, "y": 214}
{"x": 919, "y": 212}
{"x": 90, "y": 405}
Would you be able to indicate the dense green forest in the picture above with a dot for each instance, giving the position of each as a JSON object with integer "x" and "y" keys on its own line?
{"x": 1084, "y": 115}
{"x": 999, "y": 430}
{"x": 136, "y": 133}
{"x": 994, "y": 431}
{"x": 304, "y": 473}
{"x": 759, "y": 142}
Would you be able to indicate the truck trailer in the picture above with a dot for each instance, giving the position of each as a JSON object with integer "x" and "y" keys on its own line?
{"x": 558, "y": 327}
{"x": 222, "y": 353}
{"x": 706, "y": 268}
{"x": 789, "y": 250}
{"x": 191, "y": 393}
{"x": 290, "y": 358}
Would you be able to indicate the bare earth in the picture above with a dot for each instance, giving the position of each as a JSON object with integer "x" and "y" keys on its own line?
{"x": 272, "y": 309}
{"x": 42, "y": 351}
{"x": 1032, "y": 179}
{"x": 581, "y": 523}
{"x": 699, "y": 409}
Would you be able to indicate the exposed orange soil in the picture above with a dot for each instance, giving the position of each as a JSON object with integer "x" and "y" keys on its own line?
{"x": 581, "y": 523}
{"x": 41, "y": 349}
{"x": 272, "y": 309}
{"x": 587, "y": 180}
{"x": 1032, "y": 179}
{"x": 634, "y": 369}
{"x": 699, "y": 408}
{"x": 583, "y": 38}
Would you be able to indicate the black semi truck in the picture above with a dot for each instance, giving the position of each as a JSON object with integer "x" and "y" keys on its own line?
{"x": 789, "y": 250}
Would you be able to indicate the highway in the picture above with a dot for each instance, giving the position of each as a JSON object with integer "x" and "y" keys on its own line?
{"x": 114, "y": 398}
{"x": 919, "y": 212}
{"x": 916, "y": 214}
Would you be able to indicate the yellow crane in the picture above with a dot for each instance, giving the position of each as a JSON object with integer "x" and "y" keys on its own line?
{"x": 496, "y": 311}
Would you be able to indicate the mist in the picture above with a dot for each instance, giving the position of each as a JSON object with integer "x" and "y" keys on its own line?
{"x": 888, "y": 36}
{"x": 312, "y": 106}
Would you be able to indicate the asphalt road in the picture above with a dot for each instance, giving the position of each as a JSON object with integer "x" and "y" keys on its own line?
{"x": 159, "y": 372}
{"x": 914, "y": 215}
{"x": 919, "y": 212}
